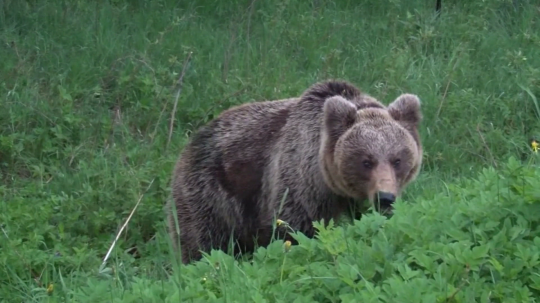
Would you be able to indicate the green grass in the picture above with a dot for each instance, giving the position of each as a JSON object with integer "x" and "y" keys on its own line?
{"x": 87, "y": 93}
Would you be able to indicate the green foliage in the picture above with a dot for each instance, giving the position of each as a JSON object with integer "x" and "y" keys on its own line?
{"x": 478, "y": 242}
{"x": 88, "y": 90}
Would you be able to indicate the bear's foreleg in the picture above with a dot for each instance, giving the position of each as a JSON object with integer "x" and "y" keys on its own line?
{"x": 293, "y": 218}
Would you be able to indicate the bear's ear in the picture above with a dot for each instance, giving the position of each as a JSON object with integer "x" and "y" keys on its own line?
{"x": 339, "y": 115}
{"x": 406, "y": 110}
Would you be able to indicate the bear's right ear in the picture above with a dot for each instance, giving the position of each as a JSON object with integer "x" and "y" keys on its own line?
{"x": 339, "y": 115}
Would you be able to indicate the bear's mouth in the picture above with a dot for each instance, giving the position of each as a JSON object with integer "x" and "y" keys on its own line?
{"x": 384, "y": 202}
{"x": 384, "y": 206}
{"x": 385, "y": 209}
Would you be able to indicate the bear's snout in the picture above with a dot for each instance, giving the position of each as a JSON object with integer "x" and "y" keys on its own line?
{"x": 385, "y": 199}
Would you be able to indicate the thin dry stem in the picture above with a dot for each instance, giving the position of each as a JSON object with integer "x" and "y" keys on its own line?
{"x": 251, "y": 10}
{"x": 125, "y": 224}
{"x": 227, "y": 55}
{"x": 446, "y": 88}
{"x": 173, "y": 113}
{"x": 486, "y": 145}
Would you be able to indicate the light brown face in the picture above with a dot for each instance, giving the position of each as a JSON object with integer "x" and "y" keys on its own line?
{"x": 371, "y": 153}
{"x": 375, "y": 157}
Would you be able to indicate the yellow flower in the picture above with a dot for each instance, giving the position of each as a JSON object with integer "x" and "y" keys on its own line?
{"x": 535, "y": 145}
{"x": 279, "y": 222}
{"x": 287, "y": 245}
{"x": 50, "y": 288}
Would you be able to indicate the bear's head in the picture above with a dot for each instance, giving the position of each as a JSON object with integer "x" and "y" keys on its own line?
{"x": 371, "y": 153}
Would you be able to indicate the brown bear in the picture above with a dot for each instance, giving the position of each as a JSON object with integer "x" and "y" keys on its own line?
{"x": 298, "y": 160}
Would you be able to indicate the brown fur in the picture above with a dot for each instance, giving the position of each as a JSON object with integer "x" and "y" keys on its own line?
{"x": 330, "y": 144}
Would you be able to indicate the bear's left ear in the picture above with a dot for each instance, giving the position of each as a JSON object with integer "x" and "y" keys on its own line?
{"x": 406, "y": 110}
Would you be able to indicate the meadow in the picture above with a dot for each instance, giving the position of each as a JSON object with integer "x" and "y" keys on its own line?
{"x": 97, "y": 99}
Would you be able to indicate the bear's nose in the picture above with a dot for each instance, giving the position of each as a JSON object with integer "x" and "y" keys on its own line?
{"x": 386, "y": 199}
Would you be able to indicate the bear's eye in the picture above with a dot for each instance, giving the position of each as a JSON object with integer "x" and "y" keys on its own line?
{"x": 396, "y": 163}
{"x": 367, "y": 164}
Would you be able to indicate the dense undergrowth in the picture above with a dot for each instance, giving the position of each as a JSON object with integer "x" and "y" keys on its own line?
{"x": 476, "y": 242}
{"x": 89, "y": 127}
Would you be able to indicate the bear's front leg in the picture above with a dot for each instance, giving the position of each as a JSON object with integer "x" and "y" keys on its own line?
{"x": 293, "y": 217}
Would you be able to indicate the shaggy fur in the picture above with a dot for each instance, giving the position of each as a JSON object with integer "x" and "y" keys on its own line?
{"x": 329, "y": 145}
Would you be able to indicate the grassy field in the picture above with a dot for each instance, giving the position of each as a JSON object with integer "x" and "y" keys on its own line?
{"x": 93, "y": 118}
